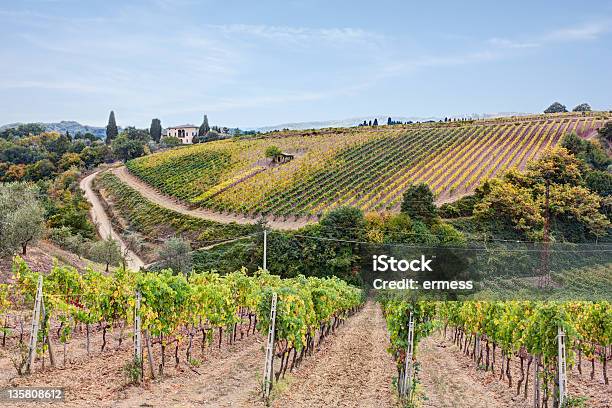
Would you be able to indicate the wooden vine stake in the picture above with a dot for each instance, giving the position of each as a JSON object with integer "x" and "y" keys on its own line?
{"x": 562, "y": 367}
{"x": 34, "y": 327}
{"x": 536, "y": 383}
{"x": 267, "y": 374}
{"x": 406, "y": 384}
{"x": 138, "y": 334}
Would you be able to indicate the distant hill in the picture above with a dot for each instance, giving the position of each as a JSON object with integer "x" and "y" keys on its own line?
{"x": 66, "y": 126}
{"x": 382, "y": 119}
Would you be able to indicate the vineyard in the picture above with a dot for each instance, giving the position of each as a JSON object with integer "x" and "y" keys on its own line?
{"x": 366, "y": 167}
{"x": 171, "y": 310}
{"x": 156, "y": 223}
{"x": 498, "y": 335}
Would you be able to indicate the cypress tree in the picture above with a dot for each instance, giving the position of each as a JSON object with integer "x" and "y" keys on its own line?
{"x": 111, "y": 128}
{"x": 156, "y": 130}
{"x": 204, "y": 127}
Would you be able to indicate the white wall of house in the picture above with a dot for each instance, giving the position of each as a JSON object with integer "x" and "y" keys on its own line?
{"x": 184, "y": 134}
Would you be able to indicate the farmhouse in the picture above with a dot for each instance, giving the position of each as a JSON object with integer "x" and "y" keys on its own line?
{"x": 185, "y": 133}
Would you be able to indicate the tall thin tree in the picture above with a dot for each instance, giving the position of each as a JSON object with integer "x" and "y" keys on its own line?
{"x": 156, "y": 130}
{"x": 204, "y": 127}
{"x": 111, "y": 128}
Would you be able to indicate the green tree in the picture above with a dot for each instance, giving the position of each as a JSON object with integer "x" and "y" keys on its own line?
{"x": 419, "y": 203}
{"x": 106, "y": 251}
{"x": 204, "y": 127}
{"x": 508, "y": 204}
{"x": 126, "y": 149}
{"x": 591, "y": 153}
{"x": 518, "y": 199}
{"x": 273, "y": 151}
{"x": 343, "y": 223}
{"x": 557, "y": 166}
{"x": 69, "y": 160}
{"x": 171, "y": 141}
{"x": 175, "y": 254}
{"x": 21, "y": 217}
{"x": 111, "y": 128}
{"x": 583, "y": 107}
{"x": 26, "y": 129}
{"x": 605, "y": 134}
{"x": 42, "y": 169}
{"x": 140, "y": 135}
{"x": 555, "y": 107}
{"x": 155, "y": 130}
{"x": 599, "y": 182}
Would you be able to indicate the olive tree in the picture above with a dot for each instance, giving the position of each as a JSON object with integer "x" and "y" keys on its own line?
{"x": 175, "y": 254}
{"x": 22, "y": 220}
{"x": 106, "y": 251}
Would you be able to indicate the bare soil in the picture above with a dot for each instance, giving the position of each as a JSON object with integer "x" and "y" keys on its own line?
{"x": 352, "y": 370}
{"x": 451, "y": 379}
{"x": 103, "y": 222}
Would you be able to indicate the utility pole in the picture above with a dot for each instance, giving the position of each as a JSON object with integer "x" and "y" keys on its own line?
{"x": 265, "y": 249}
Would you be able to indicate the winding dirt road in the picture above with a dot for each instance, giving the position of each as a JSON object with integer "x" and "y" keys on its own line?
{"x": 168, "y": 202}
{"x": 103, "y": 223}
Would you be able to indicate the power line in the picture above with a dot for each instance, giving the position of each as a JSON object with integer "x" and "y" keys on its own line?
{"x": 411, "y": 245}
{"x": 472, "y": 239}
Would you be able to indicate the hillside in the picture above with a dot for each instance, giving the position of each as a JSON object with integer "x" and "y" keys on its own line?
{"x": 365, "y": 167}
{"x": 66, "y": 126}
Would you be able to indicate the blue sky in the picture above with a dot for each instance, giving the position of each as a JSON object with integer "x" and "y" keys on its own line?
{"x": 255, "y": 63}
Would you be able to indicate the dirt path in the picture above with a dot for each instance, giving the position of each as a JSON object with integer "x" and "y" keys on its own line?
{"x": 230, "y": 381}
{"x": 168, "y": 202}
{"x": 353, "y": 370}
{"x": 103, "y": 223}
{"x": 446, "y": 380}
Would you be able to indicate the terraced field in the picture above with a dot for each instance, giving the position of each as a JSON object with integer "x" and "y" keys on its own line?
{"x": 366, "y": 167}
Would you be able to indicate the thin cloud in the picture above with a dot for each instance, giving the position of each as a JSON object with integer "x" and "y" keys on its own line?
{"x": 589, "y": 31}
{"x": 300, "y": 34}
{"x": 506, "y": 43}
{"x": 586, "y": 32}
{"x": 433, "y": 61}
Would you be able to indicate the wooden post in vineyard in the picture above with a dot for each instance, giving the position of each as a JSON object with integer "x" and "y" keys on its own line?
{"x": 562, "y": 370}
{"x": 34, "y": 326}
{"x": 406, "y": 388}
{"x": 267, "y": 375}
{"x": 138, "y": 334}
{"x": 536, "y": 383}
